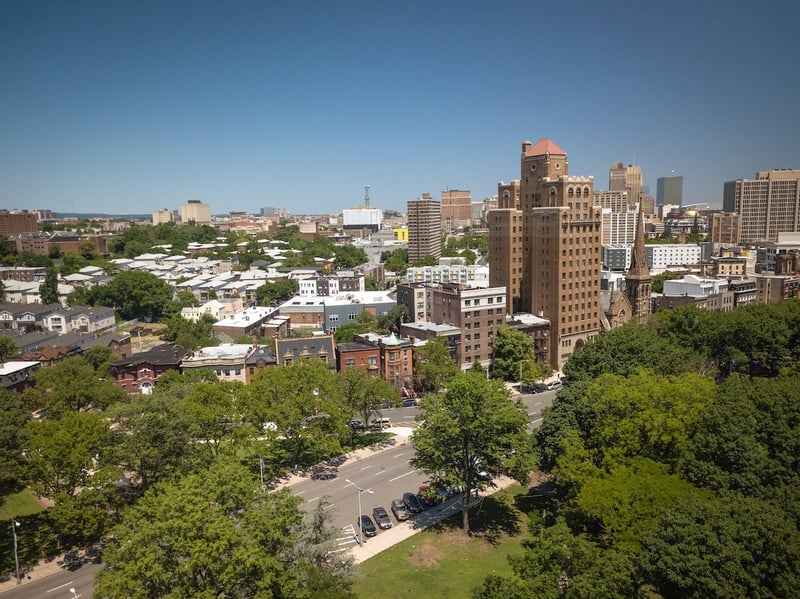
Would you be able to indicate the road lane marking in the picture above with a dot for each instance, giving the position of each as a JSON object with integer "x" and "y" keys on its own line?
{"x": 310, "y": 500}
{"x": 66, "y": 584}
{"x": 398, "y": 455}
{"x": 299, "y": 493}
{"x": 391, "y": 480}
{"x": 365, "y": 467}
{"x": 537, "y": 420}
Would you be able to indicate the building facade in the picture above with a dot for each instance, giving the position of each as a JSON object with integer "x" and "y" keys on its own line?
{"x": 195, "y": 212}
{"x": 506, "y": 253}
{"x": 562, "y": 248}
{"x": 669, "y": 190}
{"x": 626, "y": 178}
{"x": 456, "y": 209}
{"x": 18, "y": 221}
{"x": 424, "y": 228}
{"x": 725, "y": 228}
{"x": 767, "y": 205}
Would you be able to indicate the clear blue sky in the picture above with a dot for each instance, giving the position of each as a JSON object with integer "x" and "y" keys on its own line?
{"x": 126, "y": 107}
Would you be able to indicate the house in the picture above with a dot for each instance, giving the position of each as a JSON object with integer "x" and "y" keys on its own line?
{"x": 15, "y": 374}
{"x": 321, "y": 347}
{"x": 138, "y": 374}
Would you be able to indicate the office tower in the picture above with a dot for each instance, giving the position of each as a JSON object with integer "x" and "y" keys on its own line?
{"x": 766, "y": 205}
{"x": 648, "y": 204}
{"x": 669, "y": 190}
{"x": 456, "y": 209}
{"x": 508, "y": 194}
{"x": 619, "y": 227}
{"x": 626, "y": 178}
{"x": 725, "y": 228}
{"x": 424, "y": 228}
{"x": 195, "y": 212}
{"x": 561, "y": 248}
{"x": 613, "y": 200}
{"x": 638, "y": 282}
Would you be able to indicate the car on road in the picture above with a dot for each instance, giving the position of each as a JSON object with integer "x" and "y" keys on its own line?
{"x": 410, "y": 402}
{"x": 381, "y": 518}
{"x": 399, "y": 510}
{"x": 553, "y": 385}
{"x": 367, "y": 526}
{"x": 412, "y": 503}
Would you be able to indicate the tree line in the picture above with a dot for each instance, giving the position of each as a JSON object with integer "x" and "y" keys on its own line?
{"x": 673, "y": 459}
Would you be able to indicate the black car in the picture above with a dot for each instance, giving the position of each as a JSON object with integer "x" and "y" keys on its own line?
{"x": 399, "y": 509}
{"x": 412, "y": 503}
{"x": 367, "y": 526}
{"x": 357, "y": 424}
{"x": 381, "y": 518}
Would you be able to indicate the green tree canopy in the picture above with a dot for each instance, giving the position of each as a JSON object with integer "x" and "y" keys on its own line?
{"x": 135, "y": 294}
{"x": 470, "y": 434}
{"x": 433, "y": 364}
{"x": 14, "y": 414}
{"x": 513, "y": 357}
{"x": 275, "y": 292}
{"x": 364, "y": 393}
{"x": 48, "y": 290}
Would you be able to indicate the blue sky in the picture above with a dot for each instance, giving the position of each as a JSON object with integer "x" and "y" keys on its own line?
{"x": 126, "y": 107}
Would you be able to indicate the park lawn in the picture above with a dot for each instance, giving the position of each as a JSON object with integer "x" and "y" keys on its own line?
{"x": 22, "y": 503}
{"x": 441, "y": 562}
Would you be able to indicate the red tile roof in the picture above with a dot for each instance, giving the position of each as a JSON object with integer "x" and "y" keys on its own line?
{"x": 545, "y": 146}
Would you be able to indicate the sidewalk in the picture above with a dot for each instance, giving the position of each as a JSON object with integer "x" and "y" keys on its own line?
{"x": 41, "y": 569}
{"x": 402, "y": 531}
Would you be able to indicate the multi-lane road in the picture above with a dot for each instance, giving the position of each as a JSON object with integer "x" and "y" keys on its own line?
{"x": 387, "y": 473}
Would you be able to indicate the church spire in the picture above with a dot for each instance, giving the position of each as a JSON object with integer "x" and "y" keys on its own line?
{"x": 638, "y": 282}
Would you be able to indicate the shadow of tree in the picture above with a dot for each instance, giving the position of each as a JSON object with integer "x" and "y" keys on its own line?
{"x": 490, "y": 518}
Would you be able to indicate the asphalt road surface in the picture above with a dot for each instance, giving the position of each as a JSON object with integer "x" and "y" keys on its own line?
{"x": 58, "y": 585}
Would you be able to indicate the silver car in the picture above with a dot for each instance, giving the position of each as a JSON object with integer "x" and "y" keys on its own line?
{"x": 399, "y": 510}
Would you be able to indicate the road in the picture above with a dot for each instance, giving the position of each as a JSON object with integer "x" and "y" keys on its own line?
{"x": 58, "y": 585}
{"x": 387, "y": 474}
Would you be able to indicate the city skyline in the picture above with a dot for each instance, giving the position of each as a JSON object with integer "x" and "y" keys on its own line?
{"x": 121, "y": 108}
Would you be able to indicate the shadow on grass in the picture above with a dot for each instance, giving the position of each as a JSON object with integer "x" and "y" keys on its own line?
{"x": 490, "y": 518}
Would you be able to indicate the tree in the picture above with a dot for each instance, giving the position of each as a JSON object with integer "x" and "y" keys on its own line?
{"x": 364, "y": 393}
{"x": 273, "y": 293}
{"x": 208, "y": 535}
{"x": 72, "y": 384}
{"x": 213, "y": 413}
{"x": 513, "y": 357}
{"x": 62, "y": 455}
{"x": 151, "y": 436}
{"x": 135, "y": 294}
{"x": 191, "y": 334}
{"x": 393, "y": 319}
{"x": 14, "y": 414}
{"x": 97, "y": 356}
{"x": 304, "y": 401}
{"x": 734, "y": 547}
{"x": 48, "y": 290}
{"x": 8, "y": 348}
{"x": 658, "y": 281}
{"x": 470, "y": 434}
{"x": 433, "y": 364}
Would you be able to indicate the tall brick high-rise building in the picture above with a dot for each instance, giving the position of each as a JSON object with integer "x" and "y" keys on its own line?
{"x": 424, "y": 228}
{"x": 18, "y": 221}
{"x": 456, "y": 209}
{"x": 561, "y": 248}
{"x": 766, "y": 205}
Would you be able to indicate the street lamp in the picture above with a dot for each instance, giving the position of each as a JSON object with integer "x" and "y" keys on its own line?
{"x": 14, "y": 525}
{"x": 360, "y": 491}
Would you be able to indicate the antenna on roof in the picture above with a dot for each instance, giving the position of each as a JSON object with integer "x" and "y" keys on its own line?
{"x": 366, "y": 196}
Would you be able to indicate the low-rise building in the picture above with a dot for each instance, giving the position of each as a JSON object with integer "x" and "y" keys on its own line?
{"x": 139, "y": 373}
{"x": 15, "y": 375}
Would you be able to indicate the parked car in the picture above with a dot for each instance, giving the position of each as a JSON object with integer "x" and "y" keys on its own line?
{"x": 381, "y": 518}
{"x": 412, "y": 503}
{"x": 357, "y": 424}
{"x": 553, "y": 385}
{"x": 399, "y": 510}
{"x": 410, "y": 402}
{"x": 380, "y": 423}
{"x": 367, "y": 526}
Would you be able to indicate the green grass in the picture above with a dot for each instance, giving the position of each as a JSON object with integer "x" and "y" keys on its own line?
{"x": 441, "y": 561}
{"x": 18, "y": 504}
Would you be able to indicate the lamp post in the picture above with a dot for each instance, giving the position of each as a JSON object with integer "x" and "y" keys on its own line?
{"x": 360, "y": 491}
{"x": 14, "y": 525}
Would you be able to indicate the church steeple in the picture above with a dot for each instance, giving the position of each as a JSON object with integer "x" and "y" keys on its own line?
{"x": 638, "y": 282}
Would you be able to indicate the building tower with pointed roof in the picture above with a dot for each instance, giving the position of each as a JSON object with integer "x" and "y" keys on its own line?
{"x": 561, "y": 248}
{"x": 638, "y": 282}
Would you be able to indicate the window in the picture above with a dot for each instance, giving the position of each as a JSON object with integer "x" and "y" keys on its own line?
{"x": 351, "y": 316}
{"x": 350, "y": 362}
{"x": 333, "y": 317}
